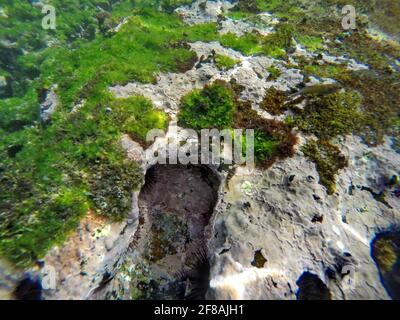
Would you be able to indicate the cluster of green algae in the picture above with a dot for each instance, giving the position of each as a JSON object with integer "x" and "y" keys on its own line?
{"x": 218, "y": 106}
{"x": 48, "y": 193}
{"x": 52, "y": 173}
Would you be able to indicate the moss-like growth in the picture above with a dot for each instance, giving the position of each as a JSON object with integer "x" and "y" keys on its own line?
{"x": 386, "y": 254}
{"x": 363, "y": 48}
{"x": 171, "y": 5}
{"x": 380, "y": 104}
{"x": 379, "y": 95}
{"x": 136, "y": 116}
{"x": 111, "y": 187}
{"x": 264, "y": 147}
{"x": 311, "y": 43}
{"x": 274, "y": 73}
{"x": 385, "y": 15}
{"x": 274, "y": 102}
{"x": 217, "y": 106}
{"x": 224, "y": 62}
{"x": 34, "y": 225}
{"x": 74, "y": 163}
{"x": 249, "y": 6}
{"x": 280, "y": 42}
{"x": 273, "y": 139}
{"x": 212, "y": 107}
{"x": 325, "y": 70}
{"x": 44, "y": 194}
{"x": 328, "y": 159}
{"x": 330, "y": 115}
{"x": 250, "y": 43}
{"x": 276, "y": 44}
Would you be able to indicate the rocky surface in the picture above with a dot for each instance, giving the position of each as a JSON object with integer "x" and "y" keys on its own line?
{"x": 212, "y": 11}
{"x": 282, "y": 214}
{"x": 284, "y": 211}
{"x": 90, "y": 257}
{"x": 303, "y": 229}
{"x": 251, "y": 73}
{"x": 49, "y": 103}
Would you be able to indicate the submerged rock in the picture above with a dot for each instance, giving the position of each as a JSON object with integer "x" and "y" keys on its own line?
{"x": 49, "y": 103}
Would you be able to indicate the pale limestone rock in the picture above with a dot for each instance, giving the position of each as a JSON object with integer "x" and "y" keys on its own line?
{"x": 49, "y": 105}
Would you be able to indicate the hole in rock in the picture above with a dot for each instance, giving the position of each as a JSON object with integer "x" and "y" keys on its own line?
{"x": 385, "y": 250}
{"x": 311, "y": 287}
{"x": 29, "y": 288}
{"x": 176, "y": 205}
{"x": 259, "y": 259}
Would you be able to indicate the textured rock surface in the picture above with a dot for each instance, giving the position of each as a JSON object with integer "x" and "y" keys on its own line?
{"x": 251, "y": 73}
{"x": 283, "y": 211}
{"x": 90, "y": 257}
{"x": 268, "y": 212}
{"x": 49, "y": 104}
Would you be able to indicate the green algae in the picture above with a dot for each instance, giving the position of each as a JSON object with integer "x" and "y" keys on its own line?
{"x": 74, "y": 144}
{"x": 225, "y": 62}
{"x": 328, "y": 160}
{"x": 328, "y": 116}
{"x": 273, "y": 102}
{"x": 217, "y": 106}
{"x": 75, "y": 163}
{"x": 380, "y": 96}
{"x": 248, "y": 44}
{"x": 273, "y": 139}
{"x": 274, "y": 73}
{"x": 311, "y": 43}
{"x": 212, "y": 107}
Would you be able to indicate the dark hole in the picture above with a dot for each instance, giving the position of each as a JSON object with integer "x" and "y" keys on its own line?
{"x": 176, "y": 205}
{"x": 318, "y": 218}
{"x": 29, "y": 288}
{"x": 311, "y": 287}
{"x": 259, "y": 259}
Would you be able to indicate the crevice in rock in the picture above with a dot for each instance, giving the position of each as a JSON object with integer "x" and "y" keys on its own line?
{"x": 311, "y": 287}
{"x": 385, "y": 250}
{"x": 170, "y": 249}
{"x": 318, "y": 218}
{"x": 259, "y": 259}
{"x": 29, "y": 288}
{"x": 378, "y": 196}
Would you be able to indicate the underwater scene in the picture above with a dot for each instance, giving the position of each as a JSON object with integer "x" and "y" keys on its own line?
{"x": 199, "y": 150}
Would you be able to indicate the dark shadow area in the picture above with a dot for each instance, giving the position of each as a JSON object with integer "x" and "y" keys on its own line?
{"x": 259, "y": 259}
{"x": 29, "y": 288}
{"x": 311, "y": 287}
{"x": 176, "y": 205}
